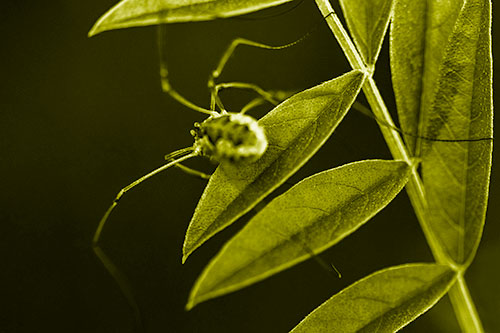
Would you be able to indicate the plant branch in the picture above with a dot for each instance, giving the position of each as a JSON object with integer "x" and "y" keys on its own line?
{"x": 464, "y": 307}
{"x": 462, "y": 303}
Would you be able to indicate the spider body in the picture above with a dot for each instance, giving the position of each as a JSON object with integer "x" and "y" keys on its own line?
{"x": 233, "y": 137}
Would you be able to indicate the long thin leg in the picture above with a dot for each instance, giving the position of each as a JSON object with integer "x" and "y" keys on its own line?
{"x": 258, "y": 101}
{"x": 123, "y": 284}
{"x": 170, "y": 157}
{"x": 127, "y": 188}
{"x": 328, "y": 267}
{"x": 266, "y": 96}
{"x": 242, "y": 41}
{"x": 193, "y": 172}
{"x": 273, "y": 97}
{"x": 367, "y": 112}
{"x": 188, "y": 170}
{"x": 115, "y": 273}
{"x": 250, "y": 86}
{"x": 215, "y": 100}
{"x": 165, "y": 84}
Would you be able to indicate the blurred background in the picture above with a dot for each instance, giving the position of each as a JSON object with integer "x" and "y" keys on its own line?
{"x": 81, "y": 118}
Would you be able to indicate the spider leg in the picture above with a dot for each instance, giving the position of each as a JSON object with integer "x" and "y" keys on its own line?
{"x": 165, "y": 83}
{"x": 242, "y": 41}
{"x": 123, "y": 284}
{"x": 258, "y": 101}
{"x": 112, "y": 269}
{"x": 193, "y": 172}
{"x": 368, "y": 113}
{"x": 328, "y": 267}
{"x": 216, "y": 73}
{"x": 127, "y": 188}
{"x": 188, "y": 170}
{"x": 268, "y": 96}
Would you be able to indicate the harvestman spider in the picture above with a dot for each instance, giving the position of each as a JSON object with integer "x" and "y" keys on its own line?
{"x": 223, "y": 136}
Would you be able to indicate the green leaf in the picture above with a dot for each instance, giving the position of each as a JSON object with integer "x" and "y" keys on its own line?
{"x": 313, "y": 215}
{"x": 367, "y": 21}
{"x": 456, "y": 175}
{"x": 384, "y": 301}
{"x": 419, "y": 35}
{"x": 135, "y": 13}
{"x": 295, "y": 130}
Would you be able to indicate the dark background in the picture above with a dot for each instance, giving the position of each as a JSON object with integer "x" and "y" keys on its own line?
{"x": 80, "y": 118}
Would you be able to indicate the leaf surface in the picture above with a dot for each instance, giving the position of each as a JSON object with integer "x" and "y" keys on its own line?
{"x": 295, "y": 130}
{"x": 367, "y": 21}
{"x": 135, "y": 13}
{"x": 313, "y": 215}
{"x": 384, "y": 301}
{"x": 456, "y": 174}
{"x": 419, "y": 35}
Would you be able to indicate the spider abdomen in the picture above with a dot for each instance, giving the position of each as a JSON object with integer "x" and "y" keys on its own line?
{"x": 231, "y": 136}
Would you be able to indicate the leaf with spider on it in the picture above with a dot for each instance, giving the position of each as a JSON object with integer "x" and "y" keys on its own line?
{"x": 295, "y": 129}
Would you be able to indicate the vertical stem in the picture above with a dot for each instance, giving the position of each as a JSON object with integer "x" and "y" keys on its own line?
{"x": 459, "y": 294}
{"x": 464, "y": 307}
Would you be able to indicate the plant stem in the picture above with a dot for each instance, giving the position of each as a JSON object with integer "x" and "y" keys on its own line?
{"x": 462, "y": 303}
{"x": 464, "y": 307}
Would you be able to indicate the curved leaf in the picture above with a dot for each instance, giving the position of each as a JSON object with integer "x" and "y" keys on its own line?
{"x": 456, "y": 174}
{"x": 313, "y": 215}
{"x": 295, "y": 130}
{"x": 419, "y": 35}
{"x": 367, "y": 21}
{"x": 385, "y": 301}
{"x": 135, "y": 13}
